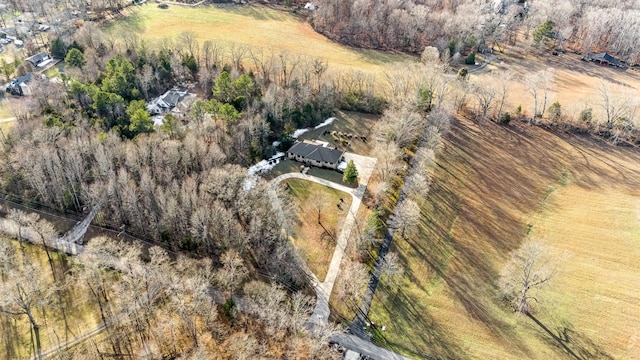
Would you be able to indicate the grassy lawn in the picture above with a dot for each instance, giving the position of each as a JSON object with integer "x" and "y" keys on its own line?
{"x": 492, "y": 185}
{"x": 256, "y": 26}
{"x": 316, "y": 240}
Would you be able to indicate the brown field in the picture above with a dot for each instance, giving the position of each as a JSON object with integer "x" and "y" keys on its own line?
{"x": 254, "y": 25}
{"x": 316, "y": 242}
{"x": 492, "y": 187}
{"x": 576, "y": 83}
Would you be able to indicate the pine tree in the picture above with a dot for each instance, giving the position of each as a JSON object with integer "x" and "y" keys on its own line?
{"x": 350, "y": 173}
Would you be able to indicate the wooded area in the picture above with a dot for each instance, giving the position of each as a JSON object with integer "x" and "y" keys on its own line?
{"x": 464, "y": 26}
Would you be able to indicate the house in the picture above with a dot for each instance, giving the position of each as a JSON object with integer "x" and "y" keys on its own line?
{"x": 20, "y": 85}
{"x": 604, "y": 59}
{"x": 40, "y": 60}
{"x": 309, "y": 6}
{"x": 166, "y": 102}
{"x": 315, "y": 154}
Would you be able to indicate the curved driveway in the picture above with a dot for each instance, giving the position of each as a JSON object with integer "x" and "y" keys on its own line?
{"x": 365, "y": 167}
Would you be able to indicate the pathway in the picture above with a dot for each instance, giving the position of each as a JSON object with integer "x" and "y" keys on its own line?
{"x": 365, "y": 347}
{"x": 67, "y": 344}
{"x": 7, "y": 120}
{"x": 67, "y": 243}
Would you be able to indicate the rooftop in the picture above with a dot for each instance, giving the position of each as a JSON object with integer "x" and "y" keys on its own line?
{"x": 316, "y": 152}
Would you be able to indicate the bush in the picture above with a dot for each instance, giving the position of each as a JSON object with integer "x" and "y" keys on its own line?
{"x": 586, "y": 116}
{"x": 470, "y": 59}
{"x": 555, "y": 111}
{"x": 505, "y": 118}
{"x": 519, "y": 111}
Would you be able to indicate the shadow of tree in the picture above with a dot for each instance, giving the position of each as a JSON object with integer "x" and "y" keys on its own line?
{"x": 569, "y": 341}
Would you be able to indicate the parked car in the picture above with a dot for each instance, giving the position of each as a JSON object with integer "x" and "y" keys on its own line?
{"x": 5, "y": 41}
{"x": 19, "y": 43}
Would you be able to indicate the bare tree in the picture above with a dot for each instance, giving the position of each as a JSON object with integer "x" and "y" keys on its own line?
{"x": 527, "y": 272}
{"x": 405, "y": 217}
{"x": 25, "y": 292}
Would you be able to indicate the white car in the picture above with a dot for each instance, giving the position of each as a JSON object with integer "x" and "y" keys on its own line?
{"x": 5, "y": 41}
{"x": 19, "y": 42}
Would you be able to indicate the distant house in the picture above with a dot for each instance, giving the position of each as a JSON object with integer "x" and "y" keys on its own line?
{"x": 20, "y": 85}
{"x": 166, "y": 102}
{"x": 315, "y": 154}
{"x": 309, "y": 6}
{"x": 40, "y": 60}
{"x": 604, "y": 59}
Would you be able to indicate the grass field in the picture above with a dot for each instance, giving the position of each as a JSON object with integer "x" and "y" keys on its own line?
{"x": 316, "y": 241}
{"x": 256, "y": 26}
{"x": 576, "y": 83}
{"x": 492, "y": 186}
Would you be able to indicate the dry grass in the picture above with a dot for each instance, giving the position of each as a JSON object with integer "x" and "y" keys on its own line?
{"x": 255, "y": 26}
{"x": 576, "y": 83}
{"x": 315, "y": 240}
{"x": 492, "y": 186}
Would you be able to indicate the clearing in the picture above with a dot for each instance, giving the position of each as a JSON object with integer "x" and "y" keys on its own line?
{"x": 494, "y": 186}
{"x": 322, "y": 212}
{"x": 253, "y": 25}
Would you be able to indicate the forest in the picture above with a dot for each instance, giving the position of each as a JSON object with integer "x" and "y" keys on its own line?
{"x": 463, "y": 26}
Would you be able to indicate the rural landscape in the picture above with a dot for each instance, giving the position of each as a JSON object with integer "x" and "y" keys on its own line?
{"x": 319, "y": 179}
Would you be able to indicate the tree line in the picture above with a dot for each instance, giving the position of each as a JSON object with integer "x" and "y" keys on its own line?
{"x": 460, "y": 27}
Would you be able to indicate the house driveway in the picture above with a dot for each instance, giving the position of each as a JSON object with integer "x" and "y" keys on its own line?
{"x": 365, "y": 166}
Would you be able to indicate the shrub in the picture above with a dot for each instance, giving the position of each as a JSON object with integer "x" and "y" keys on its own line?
{"x": 470, "y": 59}
{"x": 586, "y": 116}
{"x": 505, "y": 118}
{"x": 555, "y": 111}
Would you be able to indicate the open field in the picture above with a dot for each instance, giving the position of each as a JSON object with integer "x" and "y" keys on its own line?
{"x": 492, "y": 186}
{"x": 316, "y": 239}
{"x": 576, "y": 84}
{"x": 257, "y": 26}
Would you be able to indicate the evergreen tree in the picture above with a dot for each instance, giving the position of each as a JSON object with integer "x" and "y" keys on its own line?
{"x": 75, "y": 58}
{"x": 350, "y": 173}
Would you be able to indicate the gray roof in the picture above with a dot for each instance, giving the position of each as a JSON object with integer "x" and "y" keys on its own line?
{"x": 37, "y": 58}
{"x": 316, "y": 152}
{"x": 603, "y": 57}
{"x": 172, "y": 98}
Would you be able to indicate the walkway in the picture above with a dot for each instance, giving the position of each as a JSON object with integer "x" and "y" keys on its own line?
{"x": 67, "y": 344}
{"x": 67, "y": 243}
{"x": 365, "y": 347}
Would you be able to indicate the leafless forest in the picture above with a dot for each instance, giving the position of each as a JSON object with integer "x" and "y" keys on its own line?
{"x": 461, "y": 25}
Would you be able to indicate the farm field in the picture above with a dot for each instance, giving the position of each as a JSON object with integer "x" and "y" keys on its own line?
{"x": 316, "y": 234}
{"x": 576, "y": 84}
{"x": 257, "y": 26}
{"x": 493, "y": 187}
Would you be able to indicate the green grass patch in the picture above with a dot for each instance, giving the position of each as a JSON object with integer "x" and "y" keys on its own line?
{"x": 319, "y": 223}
